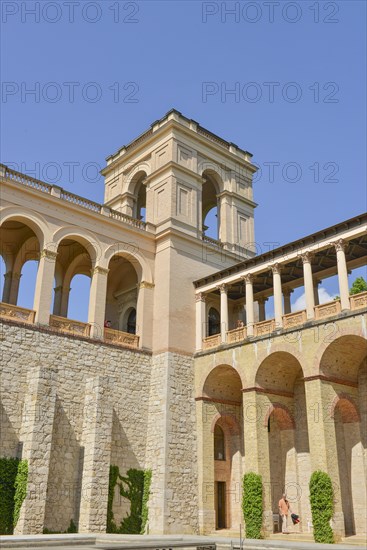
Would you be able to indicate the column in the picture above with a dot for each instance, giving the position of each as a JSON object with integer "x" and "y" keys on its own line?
{"x": 262, "y": 314}
{"x": 97, "y": 301}
{"x": 96, "y": 441}
{"x": 200, "y": 320}
{"x": 144, "y": 314}
{"x": 7, "y": 287}
{"x": 277, "y": 289}
{"x": 342, "y": 274}
{"x": 57, "y": 300}
{"x": 64, "y": 301}
{"x": 14, "y": 288}
{"x": 322, "y": 440}
{"x": 287, "y": 300}
{"x": 309, "y": 285}
{"x": 249, "y": 304}
{"x": 223, "y": 313}
{"x": 36, "y": 436}
{"x": 45, "y": 280}
{"x": 316, "y": 292}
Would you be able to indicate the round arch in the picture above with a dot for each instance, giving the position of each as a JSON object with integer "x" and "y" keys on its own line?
{"x": 342, "y": 357}
{"x": 34, "y": 221}
{"x": 278, "y": 371}
{"x": 83, "y": 237}
{"x": 142, "y": 169}
{"x": 223, "y": 382}
{"x": 129, "y": 252}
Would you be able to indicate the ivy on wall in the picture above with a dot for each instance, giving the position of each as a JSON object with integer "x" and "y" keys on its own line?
{"x": 136, "y": 488}
{"x": 13, "y": 489}
{"x": 322, "y": 506}
{"x": 252, "y": 505}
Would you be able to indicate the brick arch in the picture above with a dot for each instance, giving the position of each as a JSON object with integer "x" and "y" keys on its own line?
{"x": 207, "y": 374}
{"x": 82, "y": 236}
{"x": 347, "y": 407}
{"x": 341, "y": 358}
{"x": 278, "y": 348}
{"x": 230, "y": 422}
{"x": 353, "y": 331}
{"x": 278, "y": 371}
{"x": 283, "y": 416}
{"x": 132, "y": 254}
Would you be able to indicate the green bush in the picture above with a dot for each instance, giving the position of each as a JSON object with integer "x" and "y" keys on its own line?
{"x": 71, "y": 529}
{"x": 134, "y": 487}
{"x": 8, "y": 473}
{"x": 252, "y": 505}
{"x": 322, "y": 506}
{"x": 20, "y": 485}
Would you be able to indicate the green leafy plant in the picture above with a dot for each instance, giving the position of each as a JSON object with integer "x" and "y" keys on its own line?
{"x": 358, "y": 286}
{"x": 322, "y": 506}
{"x": 8, "y": 473}
{"x": 135, "y": 487}
{"x": 20, "y": 485}
{"x": 252, "y": 505}
{"x": 71, "y": 529}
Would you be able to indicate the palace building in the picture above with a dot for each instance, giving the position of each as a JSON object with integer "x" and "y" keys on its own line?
{"x": 192, "y": 378}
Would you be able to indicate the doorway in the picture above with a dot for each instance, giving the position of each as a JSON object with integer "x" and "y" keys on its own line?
{"x": 221, "y": 505}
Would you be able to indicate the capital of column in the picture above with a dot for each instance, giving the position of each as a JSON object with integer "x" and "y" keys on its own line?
{"x": 276, "y": 268}
{"x": 98, "y": 270}
{"x": 8, "y": 275}
{"x": 262, "y": 299}
{"x": 16, "y": 276}
{"x": 58, "y": 288}
{"x": 200, "y": 297}
{"x": 287, "y": 291}
{"x": 306, "y": 257}
{"x": 48, "y": 254}
{"x": 248, "y": 279}
{"x": 340, "y": 245}
{"x": 145, "y": 284}
{"x": 223, "y": 288}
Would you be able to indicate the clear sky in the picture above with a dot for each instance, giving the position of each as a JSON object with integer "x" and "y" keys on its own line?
{"x": 102, "y": 72}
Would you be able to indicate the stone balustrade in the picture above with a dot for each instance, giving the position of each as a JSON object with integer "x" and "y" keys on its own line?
{"x": 69, "y": 326}
{"x": 295, "y": 319}
{"x": 236, "y": 335}
{"x": 329, "y": 309}
{"x": 211, "y": 341}
{"x": 121, "y": 338}
{"x": 16, "y": 313}
{"x": 264, "y": 327}
{"x": 358, "y": 301}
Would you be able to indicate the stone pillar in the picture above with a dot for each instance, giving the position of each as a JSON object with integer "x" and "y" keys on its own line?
{"x": 97, "y": 301}
{"x": 309, "y": 285}
{"x": 14, "y": 288}
{"x": 316, "y": 292}
{"x": 206, "y": 485}
{"x": 322, "y": 441}
{"x": 277, "y": 288}
{"x": 200, "y": 320}
{"x": 7, "y": 287}
{"x": 144, "y": 314}
{"x": 287, "y": 300}
{"x": 64, "y": 301}
{"x": 223, "y": 313}
{"x": 45, "y": 280}
{"x": 342, "y": 274}
{"x": 36, "y": 436}
{"x": 96, "y": 441}
{"x": 57, "y": 300}
{"x": 249, "y": 304}
{"x": 262, "y": 314}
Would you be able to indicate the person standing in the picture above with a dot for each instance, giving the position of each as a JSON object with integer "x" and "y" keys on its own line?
{"x": 284, "y": 509}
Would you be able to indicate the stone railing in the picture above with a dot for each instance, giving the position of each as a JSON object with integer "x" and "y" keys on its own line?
{"x": 327, "y": 310}
{"x": 211, "y": 341}
{"x": 121, "y": 338}
{"x": 80, "y": 201}
{"x": 264, "y": 327}
{"x": 16, "y": 313}
{"x": 236, "y": 335}
{"x": 116, "y": 215}
{"x": 358, "y": 300}
{"x": 69, "y": 326}
{"x": 24, "y": 179}
{"x": 295, "y": 319}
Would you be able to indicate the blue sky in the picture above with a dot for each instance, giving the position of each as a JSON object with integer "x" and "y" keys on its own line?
{"x": 297, "y": 70}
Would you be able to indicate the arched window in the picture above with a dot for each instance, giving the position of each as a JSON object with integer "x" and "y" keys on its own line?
{"x": 210, "y": 211}
{"x": 219, "y": 444}
{"x": 213, "y": 321}
{"x": 131, "y": 322}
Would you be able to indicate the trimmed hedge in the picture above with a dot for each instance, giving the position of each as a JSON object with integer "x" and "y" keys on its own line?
{"x": 8, "y": 473}
{"x": 136, "y": 488}
{"x": 252, "y": 505}
{"x": 20, "y": 485}
{"x": 322, "y": 506}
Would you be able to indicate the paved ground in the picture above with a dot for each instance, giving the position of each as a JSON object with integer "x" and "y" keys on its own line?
{"x": 153, "y": 542}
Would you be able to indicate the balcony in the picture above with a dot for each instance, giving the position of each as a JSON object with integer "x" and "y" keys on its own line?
{"x": 236, "y": 335}
{"x": 295, "y": 319}
{"x": 329, "y": 309}
{"x": 211, "y": 342}
{"x": 121, "y": 338}
{"x": 69, "y": 326}
{"x": 358, "y": 301}
{"x": 16, "y": 313}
